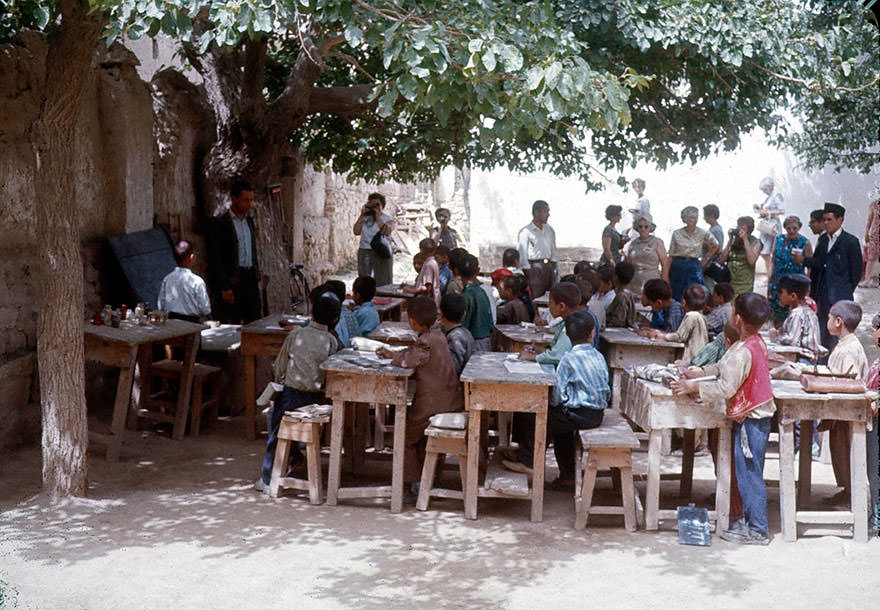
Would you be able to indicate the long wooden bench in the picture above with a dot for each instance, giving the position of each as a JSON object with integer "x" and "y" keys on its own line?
{"x": 608, "y": 446}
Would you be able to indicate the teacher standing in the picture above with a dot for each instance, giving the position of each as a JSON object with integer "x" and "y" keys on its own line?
{"x": 686, "y": 252}
{"x": 536, "y": 244}
{"x": 372, "y": 221}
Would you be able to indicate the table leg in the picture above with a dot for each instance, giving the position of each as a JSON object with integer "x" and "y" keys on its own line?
{"x": 858, "y": 481}
{"x": 538, "y": 462}
{"x": 120, "y": 406}
{"x": 397, "y": 459}
{"x": 652, "y": 501}
{"x": 787, "y": 508}
{"x": 473, "y": 466}
{"x": 504, "y": 422}
{"x": 337, "y": 422}
{"x": 185, "y": 390}
{"x": 805, "y": 464}
{"x": 722, "y": 481}
{"x": 250, "y": 396}
{"x": 686, "y": 482}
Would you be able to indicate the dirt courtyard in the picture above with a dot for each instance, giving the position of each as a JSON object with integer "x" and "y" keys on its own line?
{"x": 178, "y": 525}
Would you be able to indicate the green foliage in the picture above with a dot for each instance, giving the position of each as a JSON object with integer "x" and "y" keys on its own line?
{"x": 19, "y": 14}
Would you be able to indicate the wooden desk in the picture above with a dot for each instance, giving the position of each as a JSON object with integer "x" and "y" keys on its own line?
{"x": 394, "y": 333}
{"x": 513, "y": 337}
{"x": 262, "y": 337}
{"x": 794, "y": 404}
{"x": 489, "y": 387}
{"x": 391, "y": 311}
{"x": 652, "y": 407}
{"x": 128, "y": 347}
{"x": 393, "y": 290}
{"x": 624, "y": 347}
{"x": 349, "y": 383}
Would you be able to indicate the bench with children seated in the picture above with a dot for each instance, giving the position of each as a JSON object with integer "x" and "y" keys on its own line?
{"x": 303, "y": 425}
{"x": 447, "y": 434}
{"x": 608, "y": 446}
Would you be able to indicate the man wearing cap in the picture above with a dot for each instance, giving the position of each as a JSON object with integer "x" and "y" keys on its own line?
{"x": 835, "y": 268}
{"x": 537, "y": 250}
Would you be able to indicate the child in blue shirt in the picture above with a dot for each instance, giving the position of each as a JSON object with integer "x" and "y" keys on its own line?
{"x": 347, "y": 327}
{"x": 365, "y": 313}
{"x": 668, "y": 314}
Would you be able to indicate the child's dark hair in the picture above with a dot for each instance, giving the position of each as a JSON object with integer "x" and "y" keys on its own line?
{"x": 427, "y": 246}
{"x": 624, "y": 272}
{"x": 326, "y": 307}
{"x": 418, "y": 258}
{"x": 695, "y": 297}
{"x": 567, "y": 293}
{"x": 442, "y": 251}
{"x": 731, "y": 333}
{"x": 182, "y": 250}
{"x": 795, "y": 283}
{"x": 585, "y": 286}
{"x": 423, "y": 310}
{"x": 365, "y": 286}
{"x": 724, "y": 290}
{"x": 657, "y": 290}
{"x": 453, "y": 307}
{"x": 606, "y": 274}
{"x": 848, "y": 311}
{"x": 581, "y": 266}
{"x": 337, "y": 287}
{"x": 510, "y": 258}
{"x": 469, "y": 267}
{"x": 456, "y": 255}
{"x": 513, "y": 283}
{"x": 578, "y": 326}
{"x": 753, "y": 309}
{"x": 592, "y": 277}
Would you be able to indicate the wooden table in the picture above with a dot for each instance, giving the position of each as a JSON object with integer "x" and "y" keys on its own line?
{"x": 391, "y": 311}
{"x": 654, "y": 408}
{"x": 262, "y": 337}
{"x": 624, "y": 347}
{"x": 794, "y": 404}
{"x": 350, "y": 383}
{"x": 393, "y": 290}
{"x": 129, "y": 347}
{"x": 394, "y": 333}
{"x": 513, "y": 337}
{"x": 489, "y": 387}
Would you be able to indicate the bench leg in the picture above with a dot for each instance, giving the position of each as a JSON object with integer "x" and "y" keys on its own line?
{"x": 279, "y": 466}
{"x": 428, "y": 470}
{"x": 313, "y": 464}
{"x": 687, "y": 463}
{"x": 629, "y": 509}
{"x": 586, "y": 494}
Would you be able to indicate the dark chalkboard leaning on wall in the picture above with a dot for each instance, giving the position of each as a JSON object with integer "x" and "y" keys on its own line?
{"x": 139, "y": 262}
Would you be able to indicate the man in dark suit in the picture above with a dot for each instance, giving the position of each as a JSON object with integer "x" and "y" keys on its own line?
{"x": 835, "y": 268}
{"x": 232, "y": 259}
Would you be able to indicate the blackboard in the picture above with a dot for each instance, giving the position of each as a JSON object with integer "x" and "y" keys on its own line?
{"x": 144, "y": 258}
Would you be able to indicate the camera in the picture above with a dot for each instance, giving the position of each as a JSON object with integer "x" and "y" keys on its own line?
{"x": 733, "y": 233}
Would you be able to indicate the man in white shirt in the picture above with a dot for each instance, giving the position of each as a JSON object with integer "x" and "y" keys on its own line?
{"x": 537, "y": 250}
{"x": 183, "y": 294}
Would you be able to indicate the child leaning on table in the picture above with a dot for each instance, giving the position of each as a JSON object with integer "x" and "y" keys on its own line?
{"x": 657, "y": 294}
{"x": 438, "y": 389}
{"x": 801, "y": 327}
{"x": 365, "y": 313}
{"x": 692, "y": 331}
{"x": 744, "y": 383}
{"x": 297, "y": 368}
{"x": 848, "y": 357}
{"x": 565, "y": 297}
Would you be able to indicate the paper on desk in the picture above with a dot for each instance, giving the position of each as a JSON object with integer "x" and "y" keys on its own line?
{"x": 520, "y": 367}
{"x": 362, "y": 344}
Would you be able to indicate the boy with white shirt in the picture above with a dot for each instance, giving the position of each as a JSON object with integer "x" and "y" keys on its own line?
{"x": 183, "y": 294}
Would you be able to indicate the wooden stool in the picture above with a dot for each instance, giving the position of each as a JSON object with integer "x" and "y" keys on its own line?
{"x": 608, "y": 446}
{"x": 440, "y": 442}
{"x": 305, "y": 426}
{"x": 171, "y": 369}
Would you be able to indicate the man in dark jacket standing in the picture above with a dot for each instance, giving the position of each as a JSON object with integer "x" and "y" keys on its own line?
{"x": 232, "y": 259}
{"x": 835, "y": 268}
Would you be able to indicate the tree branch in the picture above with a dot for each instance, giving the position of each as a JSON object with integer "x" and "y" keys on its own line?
{"x": 355, "y": 63}
{"x": 341, "y": 101}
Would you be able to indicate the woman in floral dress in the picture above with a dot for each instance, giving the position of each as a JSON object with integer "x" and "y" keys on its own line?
{"x": 783, "y": 263}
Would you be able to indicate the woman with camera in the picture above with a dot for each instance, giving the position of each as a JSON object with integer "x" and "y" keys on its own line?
{"x": 792, "y": 242}
{"x": 375, "y": 256}
{"x": 444, "y": 235}
{"x": 741, "y": 253}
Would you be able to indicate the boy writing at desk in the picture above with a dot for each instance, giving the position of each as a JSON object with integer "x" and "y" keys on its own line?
{"x": 438, "y": 389}
{"x": 692, "y": 331}
{"x": 744, "y": 383}
{"x": 801, "y": 327}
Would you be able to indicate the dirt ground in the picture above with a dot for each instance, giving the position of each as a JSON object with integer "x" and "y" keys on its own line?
{"x": 178, "y": 525}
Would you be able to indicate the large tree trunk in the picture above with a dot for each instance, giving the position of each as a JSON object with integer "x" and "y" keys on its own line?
{"x": 59, "y": 266}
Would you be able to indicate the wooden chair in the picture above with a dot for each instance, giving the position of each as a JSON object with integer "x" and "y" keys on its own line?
{"x": 303, "y": 425}
{"x": 171, "y": 369}
{"x": 608, "y": 446}
{"x": 440, "y": 442}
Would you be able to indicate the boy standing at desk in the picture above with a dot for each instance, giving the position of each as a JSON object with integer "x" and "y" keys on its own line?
{"x": 297, "y": 367}
{"x": 428, "y": 280}
{"x": 478, "y": 314}
{"x": 744, "y": 383}
{"x": 438, "y": 389}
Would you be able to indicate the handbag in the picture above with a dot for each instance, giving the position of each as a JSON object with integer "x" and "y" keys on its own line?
{"x": 767, "y": 227}
{"x": 717, "y": 271}
{"x": 380, "y": 245}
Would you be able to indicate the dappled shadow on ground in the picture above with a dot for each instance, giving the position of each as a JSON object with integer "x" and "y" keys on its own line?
{"x": 199, "y": 492}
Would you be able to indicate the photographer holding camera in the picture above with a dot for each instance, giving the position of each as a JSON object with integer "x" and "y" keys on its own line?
{"x": 444, "y": 235}
{"x": 740, "y": 258}
{"x": 375, "y": 257}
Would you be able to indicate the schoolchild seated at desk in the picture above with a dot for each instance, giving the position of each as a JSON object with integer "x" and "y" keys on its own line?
{"x": 459, "y": 339}
{"x": 622, "y": 311}
{"x": 801, "y": 327}
{"x": 347, "y": 327}
{"x": 428, "y": 279}
{"x": 438, "y": 389}
{"x": 668, "y": 314}
{"x": 441, "y": 255}
{"x": 692, "y": 330}
{"x": 363, "y": 291}
{"x": 722, "y": 307}
{"x": 578, "y": 400}
{"x": 297, "y": 368}
{"x": 456, "y": 257}
{"x": 478, "y": 316}
{"x": 564, "y": 299}
{"x": 513, "y": 310}
{"x": 744, "y": 383}
{"x": 183, "y": 293}
{"x": 606, "y": 292}
{"x": 588, "y": 283}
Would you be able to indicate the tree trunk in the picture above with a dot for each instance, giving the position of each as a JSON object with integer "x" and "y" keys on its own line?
{"x": 59, "y": 266}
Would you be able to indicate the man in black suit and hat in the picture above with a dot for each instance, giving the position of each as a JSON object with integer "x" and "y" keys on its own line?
{"x": 835, "y": 268}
